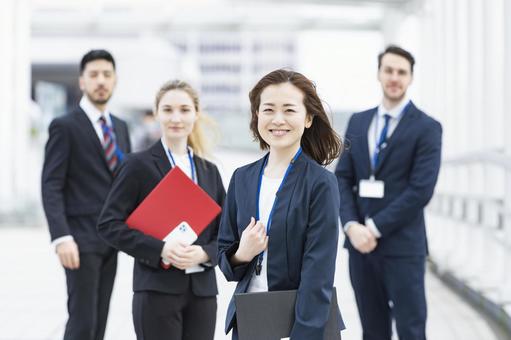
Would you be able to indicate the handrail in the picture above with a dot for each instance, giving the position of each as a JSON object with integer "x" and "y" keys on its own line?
{"x": 493, "y": 157}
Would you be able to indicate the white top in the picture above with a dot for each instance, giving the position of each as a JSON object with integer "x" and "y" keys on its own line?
{"x": 269, "y": 187}
{"x": 93, "y": 114}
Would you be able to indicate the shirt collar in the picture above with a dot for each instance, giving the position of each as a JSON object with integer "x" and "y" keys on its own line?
{"x": 396, "y": 111}
{"x": 93, "y": 113}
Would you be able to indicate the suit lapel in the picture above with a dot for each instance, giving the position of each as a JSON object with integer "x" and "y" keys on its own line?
{"x": 160, "y": 158}
{"x": 285, "y": 193}
{"x": 119, "y": 133}
{"x": 404, "y": 124}
{"x": 252, "y": 185}
{"x": 366, "y": 123}
{"x": 92, "y": 137}
{"x": 279, "y": 226}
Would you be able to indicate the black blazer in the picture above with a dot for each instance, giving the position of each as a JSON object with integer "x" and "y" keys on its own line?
{"x": 76, "y": 178}
{"x": 409, "y": 166}
{"x": 302, "y": 241}
{"x": 137, "y": 177}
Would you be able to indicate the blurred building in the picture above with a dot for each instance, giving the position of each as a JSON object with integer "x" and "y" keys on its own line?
{"x": 229, "y": 64}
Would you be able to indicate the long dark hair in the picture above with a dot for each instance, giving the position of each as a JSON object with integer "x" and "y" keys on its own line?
{"x": 320, "y": 141}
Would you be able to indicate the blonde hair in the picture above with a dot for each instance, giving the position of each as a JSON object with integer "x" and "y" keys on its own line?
{"x": 198, "y": 140}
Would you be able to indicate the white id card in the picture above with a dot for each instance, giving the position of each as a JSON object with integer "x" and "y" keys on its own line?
{"x": 371, "y": 188}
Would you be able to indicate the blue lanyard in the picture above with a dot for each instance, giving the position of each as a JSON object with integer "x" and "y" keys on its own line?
{"x": 190, "y": 158}
{"x": 270, "y": 217}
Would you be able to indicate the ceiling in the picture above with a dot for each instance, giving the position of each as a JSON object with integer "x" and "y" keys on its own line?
{"x": 126, "y": 18}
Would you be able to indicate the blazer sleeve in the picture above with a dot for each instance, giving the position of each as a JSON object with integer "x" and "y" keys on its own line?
{"x": 228, "y": 236}
{"x": 318, "y": 268}
{"x": 123, "y": 198}
{"x": 53, "y": 179}
{"x": 211, "y": 248}
{"x": 345, "y": 174}
{"x": 421, "y": 183}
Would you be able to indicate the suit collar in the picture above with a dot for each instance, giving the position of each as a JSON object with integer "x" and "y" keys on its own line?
{"x": 160, "y": 158}
{"x": 396, "y": 111}
{"x": 163, "y": 164}
{"x": 367, "y": 118}
{"x": 409, "y": 115}
{"x": 92, "y": 137}
{"x": 93, "y": 113}
{"x": 256, "y": 169}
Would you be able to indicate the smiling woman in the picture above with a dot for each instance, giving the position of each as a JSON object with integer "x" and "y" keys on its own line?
{"x": 279, "y": 225}
{"x": 165, "y": 300}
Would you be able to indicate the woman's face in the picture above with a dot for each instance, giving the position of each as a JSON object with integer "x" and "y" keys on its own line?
{"x": 176, "y": 114}
{"x": 282, "y": 117}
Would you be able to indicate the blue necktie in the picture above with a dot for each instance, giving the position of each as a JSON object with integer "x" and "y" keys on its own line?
{"x": 381, "y": 141}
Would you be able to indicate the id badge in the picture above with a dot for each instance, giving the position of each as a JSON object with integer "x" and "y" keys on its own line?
{"x": 371, "y": 188}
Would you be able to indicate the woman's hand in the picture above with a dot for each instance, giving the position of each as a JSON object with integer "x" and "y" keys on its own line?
{"x": 253, "y": 241}
{"x": 183, "y": 256}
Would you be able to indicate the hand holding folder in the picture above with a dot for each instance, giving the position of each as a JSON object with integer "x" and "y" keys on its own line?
{"x": 271, "y": 315}
{"x": 177, "y": 208}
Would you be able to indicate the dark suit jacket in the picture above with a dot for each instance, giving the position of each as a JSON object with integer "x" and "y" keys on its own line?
{"x": 409, "y": 166}
{"x": 137, "y": 177}
{"x": 302, "y": 240}
{"x": 76, "y": 178}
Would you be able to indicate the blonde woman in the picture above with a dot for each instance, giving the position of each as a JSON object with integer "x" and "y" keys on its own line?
{"x": 175, "y": 303}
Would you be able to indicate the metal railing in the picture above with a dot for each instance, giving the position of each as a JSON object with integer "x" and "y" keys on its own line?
{"x": 470, "y": 238}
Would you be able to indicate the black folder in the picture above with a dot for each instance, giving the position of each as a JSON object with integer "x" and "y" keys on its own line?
{"x": 271, "y": 315}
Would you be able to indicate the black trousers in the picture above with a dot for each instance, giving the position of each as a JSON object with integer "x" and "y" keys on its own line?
{"x": 161, "y": 316}
{"x": 89, "y": 289}
{"x": 386, "y": 288}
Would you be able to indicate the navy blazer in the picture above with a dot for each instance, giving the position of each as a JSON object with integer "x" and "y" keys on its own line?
{"x": 76, "y": 178}
{"x": 302, "y": 240}
{"x": 137, "y": 177}
{"x": 409, "y": 166}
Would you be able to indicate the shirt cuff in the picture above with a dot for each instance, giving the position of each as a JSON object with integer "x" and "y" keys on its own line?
{"x": 60, "y": 240}
{"x": 372, "y": 227}
{"x": 348, "y": 225}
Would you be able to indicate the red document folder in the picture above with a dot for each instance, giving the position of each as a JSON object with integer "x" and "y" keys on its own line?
{"x": 174, "y": 200}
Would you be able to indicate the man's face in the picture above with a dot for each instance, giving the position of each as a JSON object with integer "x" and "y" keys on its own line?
{"x": 98, "y": 80}
{"x": 394, "y": 75}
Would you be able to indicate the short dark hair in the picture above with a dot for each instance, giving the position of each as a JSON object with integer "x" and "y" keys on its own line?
{"x": 319, "y": 141}
{"x": 394, "y": 49}
{"x": 96, "y": 55}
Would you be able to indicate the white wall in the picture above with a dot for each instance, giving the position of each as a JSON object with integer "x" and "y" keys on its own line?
{"x": 14, "y": 109}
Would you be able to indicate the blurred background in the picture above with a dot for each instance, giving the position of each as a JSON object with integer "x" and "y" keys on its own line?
{"x": 222, "y": 47}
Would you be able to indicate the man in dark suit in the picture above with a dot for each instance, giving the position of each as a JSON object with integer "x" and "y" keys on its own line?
{"x": 386, "y": 177}
{"x": 84, "y": 149}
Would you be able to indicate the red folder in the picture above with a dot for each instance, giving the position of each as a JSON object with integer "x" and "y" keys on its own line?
{"x": 174, "y": 200}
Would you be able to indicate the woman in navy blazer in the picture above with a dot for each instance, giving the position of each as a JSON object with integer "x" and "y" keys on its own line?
{"x": 279, "y": 226}
{"x": 178, "y": 303}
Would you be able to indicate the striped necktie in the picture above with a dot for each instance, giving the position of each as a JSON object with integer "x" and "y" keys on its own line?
{"x": 109, "y": 145}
